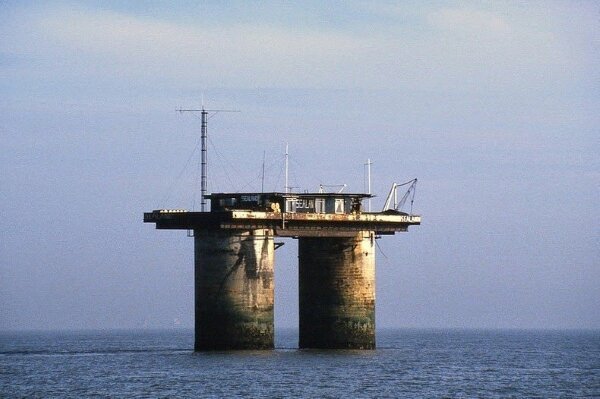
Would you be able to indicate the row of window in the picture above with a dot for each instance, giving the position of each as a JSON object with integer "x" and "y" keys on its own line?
{"x": 317, "y": 205}
{"x": 293, "y": 205}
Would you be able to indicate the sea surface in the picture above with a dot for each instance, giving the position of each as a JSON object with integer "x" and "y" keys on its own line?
{"x": 407, "y": 363}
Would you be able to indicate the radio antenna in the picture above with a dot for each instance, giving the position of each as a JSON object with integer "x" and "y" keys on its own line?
{"x": 368, "y": 165}
{"x": 203, "y": 146}
{"x": 287, "y": 187}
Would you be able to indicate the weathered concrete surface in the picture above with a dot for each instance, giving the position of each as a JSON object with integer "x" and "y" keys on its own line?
{"x": 285, "y": 224}
{"x": 234, "y": 289}
{"x": 337, "y": 292}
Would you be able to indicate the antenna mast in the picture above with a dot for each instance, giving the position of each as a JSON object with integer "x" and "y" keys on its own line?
{"x": 203, "y": 158}
{"x": 368, "y": 164}
{"x": 287, "y": 187}
{"x": 262, "y": 184}
{"x": 203, "y": 145}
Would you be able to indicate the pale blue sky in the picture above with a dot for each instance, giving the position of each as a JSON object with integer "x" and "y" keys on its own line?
{"x": 494, "y": 106}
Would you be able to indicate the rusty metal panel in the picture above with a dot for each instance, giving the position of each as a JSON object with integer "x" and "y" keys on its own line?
{"x": 336, "y": 224}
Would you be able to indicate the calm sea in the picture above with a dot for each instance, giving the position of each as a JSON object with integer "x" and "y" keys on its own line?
{"x": 407, "y": 363}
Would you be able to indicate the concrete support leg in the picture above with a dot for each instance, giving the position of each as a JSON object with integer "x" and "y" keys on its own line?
{"x": 337, "y": 292}
{"x": 234, "y": 289}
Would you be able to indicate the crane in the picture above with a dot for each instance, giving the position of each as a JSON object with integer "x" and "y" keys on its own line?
{"x": 393, "y": 195}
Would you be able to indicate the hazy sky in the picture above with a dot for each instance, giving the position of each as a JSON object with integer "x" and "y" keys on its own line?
{"x": 494, "y": 106}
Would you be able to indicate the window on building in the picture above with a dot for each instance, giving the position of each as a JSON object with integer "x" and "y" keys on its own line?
{"x": 339, "y": 205}
{"x": 290, "y": 205}
{"x": 320, "y": 205}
